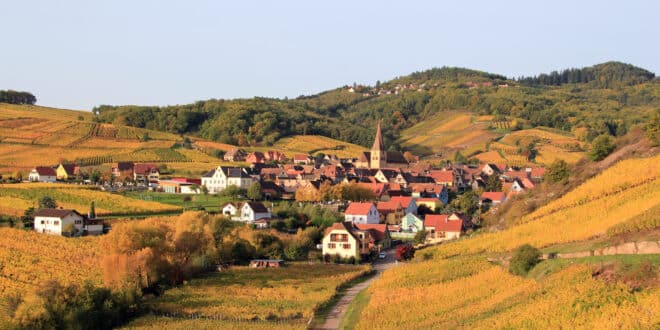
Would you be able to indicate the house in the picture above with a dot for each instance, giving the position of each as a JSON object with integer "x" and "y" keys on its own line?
{"x": 411, "y": 223}
{"x": 261, "y": 157}
{"x": 230, "y": 209}
{"x": 490, "y": 169}
{"x": 442, "y": 227}
{"x": 42, "y": 174}
{"x": 222, "y": 177}
{"x": 431, "y": 203}
{"x": 54, "y": 221}
{"x": 301, "y": 159}
{"x": 253, "y": 211}
{"x": 407, "y": 202}
{"x": 262, "y": 223}
{"x": 146, "y": 173}
{"x": 178, "y": 187}
{"x": 234, "y": 155}
{"x": 430, "y": 190}
{"x": 390, "y": 212}
{"x": 493, "y": 198}
{"x": 122, "y": 170}
{"x": 66, "y": 171}
{"x": 443, "y": 177}
{"x": 271, "y": 190}
{"x": 355, "y": 240}
{"x": 362, "y": 213}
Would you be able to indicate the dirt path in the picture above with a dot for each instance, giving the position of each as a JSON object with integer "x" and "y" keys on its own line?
{"x": 338, "y": 311}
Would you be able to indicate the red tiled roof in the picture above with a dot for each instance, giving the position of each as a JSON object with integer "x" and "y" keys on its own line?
{"x": 144, "y": 168}
{"x": 45, "y": 170}
{"x": 377, "y": 230}
{"x": 300, "y": 157}
{"x": 358, "y": 208}
{"x": 422, "y": 200}
{"x": 441, "y": 222}
{"x": 389, "y": 206}
{"x": 538, "y": 172}
{"x": 527, "y": 183}
{"x": 442, "y": 176}
{"x": 493, "y": 195}
{"x": 404, "y": 200}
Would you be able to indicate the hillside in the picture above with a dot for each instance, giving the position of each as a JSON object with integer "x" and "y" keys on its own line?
{"x": 610, "y": 99}
{"x": 455, "y": 279}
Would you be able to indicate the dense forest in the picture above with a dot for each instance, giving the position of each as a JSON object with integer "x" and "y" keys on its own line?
{"x": 14, "y": 97}
{"x": 603, "y": 99}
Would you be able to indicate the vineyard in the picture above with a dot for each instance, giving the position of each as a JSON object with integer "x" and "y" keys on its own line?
{"x": 453, "y": 285}
{"x": 312, "y": 144}
{"x": 17, "y": 197}
{"x": 246, "y": 297}
{"x": 483, "y": 296}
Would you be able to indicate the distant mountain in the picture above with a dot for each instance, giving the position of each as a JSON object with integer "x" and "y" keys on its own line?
{"x": 606, "y": 98}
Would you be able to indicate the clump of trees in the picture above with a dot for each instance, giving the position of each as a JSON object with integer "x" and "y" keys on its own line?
{"x": 524, "y": 259}
{"x": 601, "y": 147}
{"x": 15, "y": 97}
{"x": 558, "y": 172}
{"x": 327, "y": 192}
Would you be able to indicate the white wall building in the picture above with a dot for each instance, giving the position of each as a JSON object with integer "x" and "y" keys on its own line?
{"x": 222, "y": 177}
{"x": 362, "y": 213}
{"x": 53, "y": 221}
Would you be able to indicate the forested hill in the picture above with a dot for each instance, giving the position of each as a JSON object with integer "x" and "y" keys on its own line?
{"x": 603, "y": 99}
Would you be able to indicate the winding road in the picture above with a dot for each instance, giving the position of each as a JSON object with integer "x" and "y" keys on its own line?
{"x": 336, "y": 314}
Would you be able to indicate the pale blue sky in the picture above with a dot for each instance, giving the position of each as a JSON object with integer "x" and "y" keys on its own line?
{"x": 78, "y": 54}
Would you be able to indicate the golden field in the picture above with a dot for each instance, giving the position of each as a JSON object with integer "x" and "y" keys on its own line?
{"x": 312, "y": 144}
{"x": 454, "y": 286}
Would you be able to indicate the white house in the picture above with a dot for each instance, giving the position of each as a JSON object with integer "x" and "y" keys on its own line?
{"x": 222, "y": 177}
{"x": 253, "y": 211}
{"x": 229, "y": 209}
{"x": 362, "y": 213}
{"x": 42, "y": 174}
{"x": 53, "y": 221}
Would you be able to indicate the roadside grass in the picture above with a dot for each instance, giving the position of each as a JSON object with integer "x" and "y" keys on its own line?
{"x": 353, "y": 311}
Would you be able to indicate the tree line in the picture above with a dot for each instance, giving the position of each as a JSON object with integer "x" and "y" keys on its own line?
{"x": 16, "y": 97}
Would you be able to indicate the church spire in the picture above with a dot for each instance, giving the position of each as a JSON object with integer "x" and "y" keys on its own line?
{"x": 378, "y": 141}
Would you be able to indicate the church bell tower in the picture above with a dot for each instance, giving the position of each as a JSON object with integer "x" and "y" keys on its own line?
{"x": 378, "y": 153}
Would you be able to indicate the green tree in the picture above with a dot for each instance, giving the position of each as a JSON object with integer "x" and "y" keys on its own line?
{"x": 653, "y": 127}
{"x": 146, "y": 137}
{"x": 524, "y": 259}
{"x": 459, "y": 158}
{"x": 47, "y": 202}
{"x": 558, "y": 172}
{"x": 254, "y": 191}
{"x": 467, "y": 203}
{"x": 92, "y": 211}
{"x": 601, "y": 147}
{"x": 493, "y": 183}
{"x": 420, "y": 236}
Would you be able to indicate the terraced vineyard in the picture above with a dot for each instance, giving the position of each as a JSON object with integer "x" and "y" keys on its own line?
{"x": 312, "y": 144}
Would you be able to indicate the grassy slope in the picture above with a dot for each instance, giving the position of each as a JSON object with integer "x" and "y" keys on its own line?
{"x": 458, "y": 281}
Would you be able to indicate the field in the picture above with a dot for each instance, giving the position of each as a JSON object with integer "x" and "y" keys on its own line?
{"x": 249, "y": 298}
{"x": 448, "y": 132}
{"x": 453, "y": 285}
{"x": 550, "y": 145}
{"x": 208, "y": 202}
{"x": 312, "y": 144}
{"x": 17, "y": 197}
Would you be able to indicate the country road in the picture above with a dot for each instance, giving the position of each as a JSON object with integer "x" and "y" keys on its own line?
{"x": 338, "y": 311}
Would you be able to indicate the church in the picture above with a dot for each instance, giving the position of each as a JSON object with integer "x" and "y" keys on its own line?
{"x": 378, "y": 157}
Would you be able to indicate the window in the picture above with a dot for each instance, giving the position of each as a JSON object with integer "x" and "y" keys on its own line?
{"x": 56, "y": 223}
{"x": 78, "y": 222}
{"x": 346, "y": 246}
{"x": 331, "y": 245}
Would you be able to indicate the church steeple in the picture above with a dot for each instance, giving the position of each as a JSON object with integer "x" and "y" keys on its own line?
{"x": 378, "y": 141}
{"x": 378, "y": 153}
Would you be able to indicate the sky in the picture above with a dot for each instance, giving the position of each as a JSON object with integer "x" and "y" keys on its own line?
{"x": 80, "y": 54}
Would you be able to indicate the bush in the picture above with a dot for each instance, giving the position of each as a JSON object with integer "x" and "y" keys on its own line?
{"x": 524, "y": 259}
{"x": 601, "y": 147}
{"x": 558, "y": 172}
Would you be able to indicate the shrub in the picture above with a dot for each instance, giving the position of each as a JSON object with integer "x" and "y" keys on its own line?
{"x": 524, "y": 259}
{"x": 601, "y": 147}
{"x": 558, "y": 172}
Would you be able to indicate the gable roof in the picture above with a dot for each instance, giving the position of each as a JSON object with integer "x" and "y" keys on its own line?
{"x": 396, "y": 157}
{"x": 257, "y": 207}
{"x": 144, "y": 168}
{"x": 442, "y": 176}
{"x": 125, "y": 166}
{"x": 378, "y": 231}
{"x": 441, "y": 222}
{"x": 344, "y": 225}
{"x": 45, "y": 171}
{"x": 493, "y": 195}
{"x": 209, "y": 174}
{"x": 404, "y": 200}
{"x": 54, "y": 213}
{"x": 300, "y": 157}
{"x": 69, "y": 168}
{"x": 389, "y": 206}
{"x": 359, "y": 208}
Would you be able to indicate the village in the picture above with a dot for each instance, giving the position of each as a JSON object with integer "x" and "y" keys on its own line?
{"x": 395, "y": 200}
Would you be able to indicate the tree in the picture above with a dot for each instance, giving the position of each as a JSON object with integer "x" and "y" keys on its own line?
{"x": 47, "y": 202}
{"x": 653, "y": 127}
{"x": 405, "y": 252}
{"x": 524, "y": 259}
{"x": 459, "y": 158}
{"x": 409, "y": 156}
{"x": 420, "y": 236}
{"x": 558, "y": 172}
{"x": 96, "y": 176}
{"x": 205, "y": 191}
{"x": 601, "y": 147}
{"x": 254, "y": 191}
{"x": 467, "y": 203}
{"x": 493, "y": 183}
{"x": 92, "y": 211}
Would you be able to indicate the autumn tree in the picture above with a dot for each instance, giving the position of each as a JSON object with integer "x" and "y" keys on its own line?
{"x": 601, "y": 147}
{"x": 254, "y": 191}
{"x": 47, "y": 202}
{"x": 558, "y": 172}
